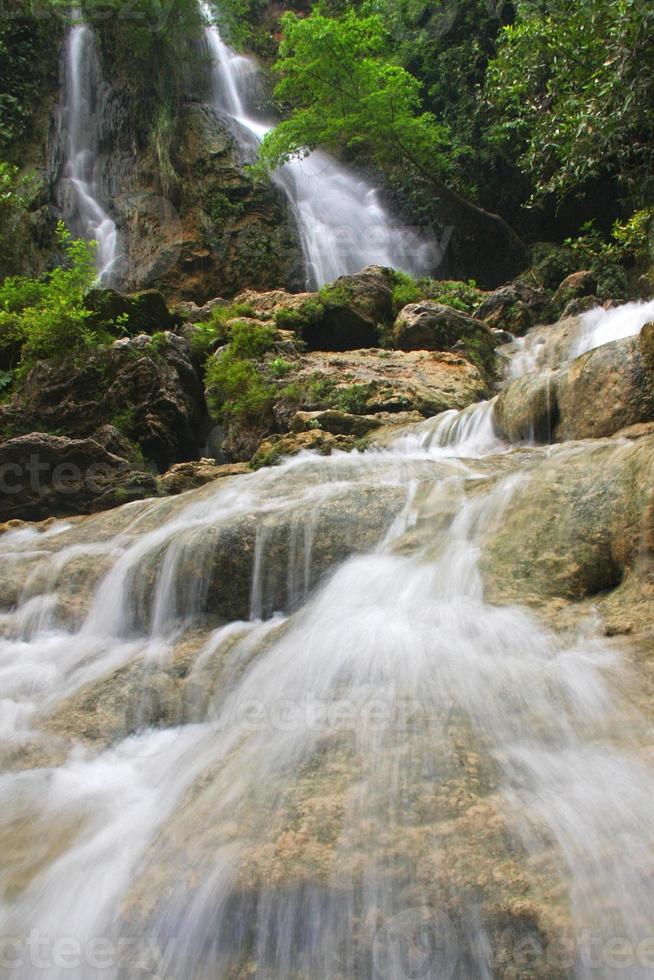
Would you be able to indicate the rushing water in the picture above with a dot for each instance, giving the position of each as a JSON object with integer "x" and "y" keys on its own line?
{"x": 82, "y": 198}
{"x": 272, "y": 728}
{"x": 341, "y": 222}
{"x": 546, "y": 347}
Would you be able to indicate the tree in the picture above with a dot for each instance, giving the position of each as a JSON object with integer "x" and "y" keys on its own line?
{"x": 573, "y": 91}
{"x": 347, "y": 92}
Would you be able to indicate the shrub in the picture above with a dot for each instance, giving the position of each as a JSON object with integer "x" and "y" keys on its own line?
{"x": 48, "y": 317}
{"x": 236, "y": 390}
{"x": 215, "y": 329}
{"x": 279, "y": 367}
{"x": 353, "y": 399}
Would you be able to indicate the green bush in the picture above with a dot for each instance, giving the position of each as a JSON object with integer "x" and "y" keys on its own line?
{"x": 297, "y": 319}
{"x": 215, "y": 329}
{"x": 48, "y": 317}
{"x": 353, "y": 399}
{"x": 236, "y": 387}
{"x": 279, "y": 367}
{"x": 236, "y": 390}
{"x": 405, "y": 291}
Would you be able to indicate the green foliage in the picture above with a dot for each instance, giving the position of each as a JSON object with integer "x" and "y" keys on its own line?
{"x": 16, "y": 191}
{"x": 28, "y": 61}
{"x": 48, "y": 317}
{"x": 298, "y": 319}
{"x": 125, "y": 421}
{"x": 237, "y": 389}
{"x": 221, "y": 209}
{"x": 463, "y": 296}
{"x": 347, "y": 92}
{"x": 215, "y": 330}
{"x": 635, "y": 237}
{"x": 279, "y": 367}
{"x": 353, "y": 398}
{"x": 573, "y": 89}
{"x": 405, "y": 290}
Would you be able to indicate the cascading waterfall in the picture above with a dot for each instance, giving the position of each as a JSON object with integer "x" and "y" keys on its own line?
{"x": 322, "y": 766}
{"x": 82, "y": 204}
{"x": 341, "y": 223}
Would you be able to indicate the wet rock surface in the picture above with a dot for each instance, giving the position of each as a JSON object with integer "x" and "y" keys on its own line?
{"x": 148, "y": 387}
{"x": 48, "y": 476}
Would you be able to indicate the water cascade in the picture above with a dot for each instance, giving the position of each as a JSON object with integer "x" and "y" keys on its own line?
{"x": 275, "y": 728}
{"x": 341, "y": 223}
{"x": 80, "y": 189}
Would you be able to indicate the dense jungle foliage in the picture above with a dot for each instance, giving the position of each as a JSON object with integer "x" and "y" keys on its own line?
{"x": 541, "y": 111}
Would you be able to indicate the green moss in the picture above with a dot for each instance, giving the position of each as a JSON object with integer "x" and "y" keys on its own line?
{"x": 332, "y": 296}
{"x": 298, "y": 319}
{"x": 462, "y": 296}
{"x": 236, "y": 387}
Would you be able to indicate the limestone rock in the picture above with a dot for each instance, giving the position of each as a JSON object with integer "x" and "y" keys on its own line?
{"x": 147, "y": 388}
{"x": 432, "y": 326}
{"x": 594, "y": 396}
{"x": 514, "y": 307}
{"x": 575, "y": 286}
{"x": 576, "y": 526}
{"x": 188, "y": 476}
{"x": 605, "y": 390}
{"x": 45, "y": 476}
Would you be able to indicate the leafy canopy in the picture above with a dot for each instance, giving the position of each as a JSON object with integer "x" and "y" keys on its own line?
{"x": 346, "y": 92}
{"x": 573, "y": 90}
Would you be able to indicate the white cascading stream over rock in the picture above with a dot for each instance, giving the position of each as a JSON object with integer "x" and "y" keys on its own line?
{"x": 377, "y": 773}
{"x": 341, "y": 223}
{"x": 84, "y": 211}
{"x": 543, "y": 346}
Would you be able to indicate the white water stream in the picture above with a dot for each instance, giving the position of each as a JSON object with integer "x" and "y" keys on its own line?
{"x": 357, "y": 781}
{"x": 83, "y": 207}
{"x": 341, "y": 222}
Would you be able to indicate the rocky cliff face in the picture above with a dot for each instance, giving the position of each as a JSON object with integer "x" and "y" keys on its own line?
{"x": 190, "y": 220}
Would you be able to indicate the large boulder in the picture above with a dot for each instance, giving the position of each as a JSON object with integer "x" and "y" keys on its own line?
{"x": 605, "y": 390}
{"x": 576, "y": 526}
{"x": 147, "y": 387}
{"x": 354, "y": 308}
{"x": 514, "y": 307}
{"x": 595, "y": 395}
{"x": 143, "y": 312}
{"x": 578, "y": 285}
{"x": 432, "y": 326}
{"x": 43, "y": 476}
{"x": 345, "y": 315}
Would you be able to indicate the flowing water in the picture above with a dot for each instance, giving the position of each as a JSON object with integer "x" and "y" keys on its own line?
{"x": 342, "y": 225}
{"x": 80, "y": 188}
{"x": 273, "y": 728}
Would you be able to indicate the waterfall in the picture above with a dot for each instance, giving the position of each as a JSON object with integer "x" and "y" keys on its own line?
{"x": 341, "y": 223}
{"x": 80, "y": 189}
{"x": 275, "y": 728}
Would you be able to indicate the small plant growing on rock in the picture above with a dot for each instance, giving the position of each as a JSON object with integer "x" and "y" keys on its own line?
{"x": 48, "y": 318}
{"x": 279, "y": 367}
{"x": 353, "y": 399}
